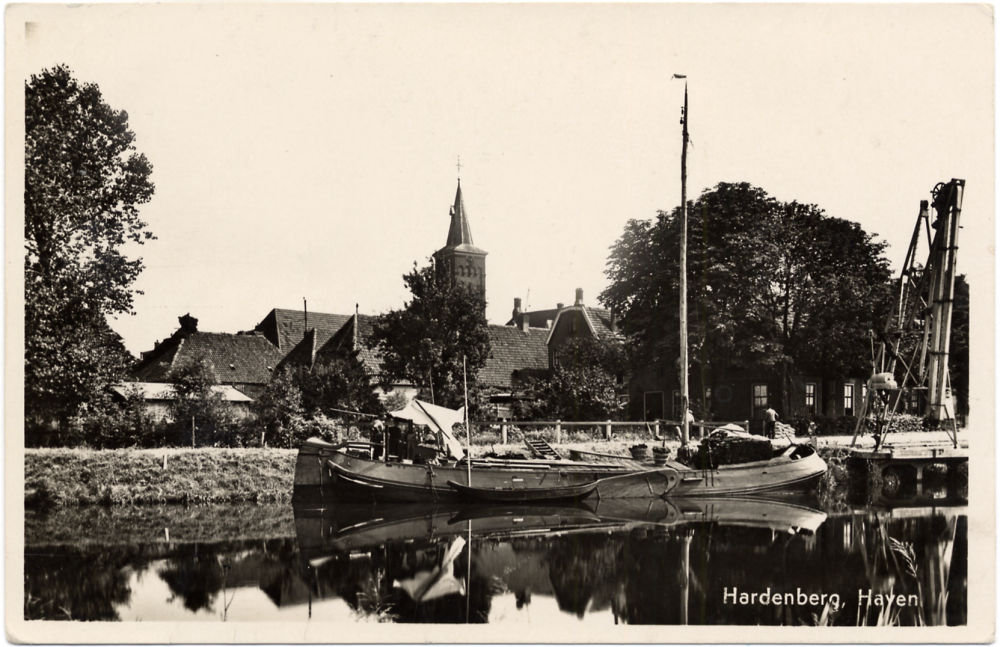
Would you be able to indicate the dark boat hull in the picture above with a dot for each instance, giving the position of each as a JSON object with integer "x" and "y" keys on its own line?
{"x": 797, "y": 469}
{"x": 324, "y": 471}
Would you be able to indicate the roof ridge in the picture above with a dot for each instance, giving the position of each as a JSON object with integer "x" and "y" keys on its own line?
{"x": 180, "y": 345}
{"x": 590, "y": 324}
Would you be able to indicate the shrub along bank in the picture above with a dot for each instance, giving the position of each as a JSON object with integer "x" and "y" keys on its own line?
{"x": 58, "y": 477}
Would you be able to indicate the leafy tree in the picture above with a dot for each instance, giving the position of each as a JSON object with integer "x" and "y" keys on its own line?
{"x": 300, "y": 402}
{"x": 113, "y": 424}
{"x": 278, "y": 407}
{"x": 71, "y": 355}
{"x": 426, "y": 340}
{"x": 83, "y": 184}
{"x": 337, "y": 386}
{"x": 770, "y": 285}
{"x": 583, "y": 384}
{"x": 200, "y": 413}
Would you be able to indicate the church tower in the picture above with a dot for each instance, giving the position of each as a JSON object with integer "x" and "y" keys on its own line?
{"x": 462, "y": 261}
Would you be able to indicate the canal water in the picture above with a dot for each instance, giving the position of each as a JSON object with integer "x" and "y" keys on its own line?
{"x": 902, "y": 561}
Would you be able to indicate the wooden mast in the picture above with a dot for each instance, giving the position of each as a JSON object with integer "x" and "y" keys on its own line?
{"x": 685, "y": 426}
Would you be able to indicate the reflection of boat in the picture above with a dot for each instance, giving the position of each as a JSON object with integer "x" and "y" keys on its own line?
{"x": 352, "y": 528}
{"x": 506, "y": 495}
{"x": 324, "y": 470}
{"x": 750, "y": 512}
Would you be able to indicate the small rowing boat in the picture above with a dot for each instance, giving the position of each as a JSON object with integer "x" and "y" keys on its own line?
{"x": 522, "y": 494}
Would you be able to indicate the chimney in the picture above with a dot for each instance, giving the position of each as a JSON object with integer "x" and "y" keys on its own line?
{"x": 559, "y": 306}
{"x": 548, "y": 323}
{"x": 579, "y": 297}
{"x": 525, "y": 323}
{"x": 517, "y": 310}
{"x": 188, "y": 323}
{"x": 614, "y": 321}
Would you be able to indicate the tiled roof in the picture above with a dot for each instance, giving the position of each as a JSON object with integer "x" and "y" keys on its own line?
{"x": 235, "y": 359}
{"x": 343, "y": 343}
{"x": 601, "y": 319}
{"x": 304, "y": 353}
{"x": 286, "y": 328}
{"x": 598, "y": 317}
{"x": 513, "y": 349}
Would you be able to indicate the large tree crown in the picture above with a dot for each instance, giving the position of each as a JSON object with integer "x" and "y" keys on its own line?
{"x": 84, "y": 182}
{"x": 768, "y": 283}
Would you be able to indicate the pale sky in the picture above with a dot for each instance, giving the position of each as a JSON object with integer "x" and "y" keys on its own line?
{"x": 310, "y": 151}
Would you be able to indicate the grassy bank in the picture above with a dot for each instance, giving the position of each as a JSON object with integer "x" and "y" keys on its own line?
{"x": 59, "y": 477}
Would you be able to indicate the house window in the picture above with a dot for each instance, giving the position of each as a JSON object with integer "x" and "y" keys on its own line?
{"x": 623, "y": 399}
{"x": 759, "y": 401}
{"x": 811, "y": 398}
{"x": 677, "y": 406}
{"x": 848, "y": 399}
{"x": 652, "y": 405}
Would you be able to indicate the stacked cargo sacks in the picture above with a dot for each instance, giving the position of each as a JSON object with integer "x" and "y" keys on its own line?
{"x": 716, "y": 450}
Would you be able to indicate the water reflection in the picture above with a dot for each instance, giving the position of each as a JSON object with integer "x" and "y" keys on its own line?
{"x": 727, "y": 561}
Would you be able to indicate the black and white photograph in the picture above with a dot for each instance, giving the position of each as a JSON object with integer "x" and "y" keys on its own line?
{"x": 500, "y": 323}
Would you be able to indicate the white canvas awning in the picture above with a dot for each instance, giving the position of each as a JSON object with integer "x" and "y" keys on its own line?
{"x": 438, "y": 418}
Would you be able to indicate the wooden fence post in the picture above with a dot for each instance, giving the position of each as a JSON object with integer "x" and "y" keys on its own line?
{"x": 558, "y": 432}
{"x": 607, "y": 431}
{"x": 656, "y": 429}
{"x": 503, "y": 432}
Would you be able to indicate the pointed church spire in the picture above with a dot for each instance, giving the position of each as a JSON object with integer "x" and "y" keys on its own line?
{"x": 459, "y": 233}
{"x": 459, "y": 259}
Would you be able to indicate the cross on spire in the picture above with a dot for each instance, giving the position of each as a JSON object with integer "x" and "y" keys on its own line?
{"x": 459, "y": 165}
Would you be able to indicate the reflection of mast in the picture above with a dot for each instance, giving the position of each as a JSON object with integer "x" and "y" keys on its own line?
{"x": 685, "y": 573}
{"x": 468, "y": 568}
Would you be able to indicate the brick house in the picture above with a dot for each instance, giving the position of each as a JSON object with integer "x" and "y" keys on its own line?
{"x": 743, "y": 395}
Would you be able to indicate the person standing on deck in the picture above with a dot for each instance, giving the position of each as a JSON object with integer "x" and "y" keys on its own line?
{"x": 770, "y": 417}
{"x": 378, "y": 438}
